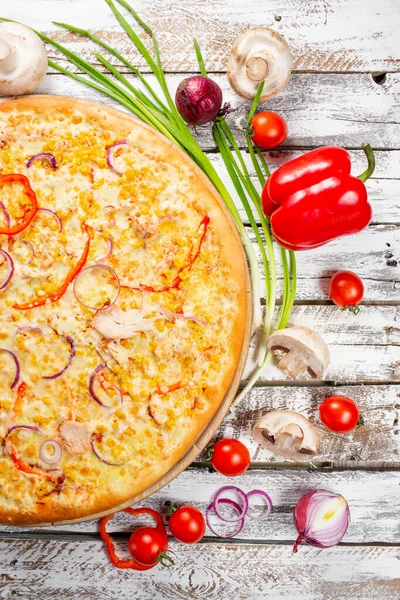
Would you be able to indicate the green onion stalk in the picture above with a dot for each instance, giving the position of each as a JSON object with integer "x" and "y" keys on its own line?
{"x": 165, "y": 117}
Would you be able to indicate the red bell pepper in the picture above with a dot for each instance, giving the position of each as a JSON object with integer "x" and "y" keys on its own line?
{"x": 313, "y": 199}
{"x": 60, "y": 291}
{"x": 28, "y": 192}
{"x": 130, "y": 563}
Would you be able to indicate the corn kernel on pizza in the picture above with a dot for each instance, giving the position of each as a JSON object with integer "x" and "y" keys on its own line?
{"x": 123, "y": 291}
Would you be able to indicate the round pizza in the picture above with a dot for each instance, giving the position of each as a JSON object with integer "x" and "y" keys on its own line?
{"x": 124, "y": 309}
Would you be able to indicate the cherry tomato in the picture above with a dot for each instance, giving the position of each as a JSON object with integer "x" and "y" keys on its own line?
{"x": 339, "y": 414}
{"x": 346, "y": 290}
{"x": 147, "y": 545}
{"x": 187, "y": 524}
{"x": 270, "y": 129}
{"x": 230, "y": 457}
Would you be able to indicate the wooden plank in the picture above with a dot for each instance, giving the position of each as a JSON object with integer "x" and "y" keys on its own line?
{"x": 373, "y": 254}
{"x": 363, "y": 349}
{"x": 323, "y": 36}
{"x": 321, "y": 109}
{"x": 55, "y": 570}
{"x": 383, "y": 188}
{"x": 372, "y": 497}
{"x": 377, "y": 441}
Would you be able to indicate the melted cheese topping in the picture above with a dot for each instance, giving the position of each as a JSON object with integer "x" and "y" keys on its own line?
{"x": 166, "y": 363}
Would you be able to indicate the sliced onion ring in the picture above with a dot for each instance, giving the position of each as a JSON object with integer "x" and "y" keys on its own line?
{"x": 114, "y": 275}
{"x": 189, "y": 318}
{"x": 14, "y": 427}
{"x": 6, "y": 214}
{"x": 10, "y": 270}
{"x": 110, "y": 155}
{"x": 268, "y": 504}
{"x": 217, "y": 499}
{"x": 71, "y": 356}
{"x": 93, "y": 393}
{"x": 53, "y": 214}
{"x": 109, "y": 251}
{"x": 29, "y": 244}
{"x": 101, "y": 457}
{"x": 50, "y": 157}
{"x": 240, "y": 521}
{"x": 45, "y": 452}
{"x": 17, "y": 367}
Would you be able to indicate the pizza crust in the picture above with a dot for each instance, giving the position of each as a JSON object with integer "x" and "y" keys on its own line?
{"x": 219, "y": 397}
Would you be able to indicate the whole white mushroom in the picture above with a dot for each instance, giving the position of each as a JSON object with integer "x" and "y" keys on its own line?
{"x": 260, "y": 54}
{"x": 23, "y": 59}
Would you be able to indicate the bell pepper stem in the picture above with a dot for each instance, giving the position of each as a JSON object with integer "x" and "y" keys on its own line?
{"x": 371, "y": 163}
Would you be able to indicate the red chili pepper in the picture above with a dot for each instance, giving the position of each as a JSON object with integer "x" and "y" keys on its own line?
{"x": 131, "y": 563}
{"x": 313, "y": 199}
{"x": 192, "y": 256}
{"x": 29, "y": 193}
{"x": 73, "y": 272}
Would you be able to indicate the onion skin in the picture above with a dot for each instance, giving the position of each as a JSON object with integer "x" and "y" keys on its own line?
{"x": 322, "y": 532}
{"x": 198, "y": 99}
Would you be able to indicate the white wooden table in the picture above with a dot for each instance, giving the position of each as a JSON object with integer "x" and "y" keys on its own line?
{"x": 333, "y": 97}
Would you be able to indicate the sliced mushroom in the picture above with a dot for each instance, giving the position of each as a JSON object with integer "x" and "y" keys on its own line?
{"x": 300, "y": 351}
{"x": 288, "y": 434}
{"x": 23, "y": 59}
{"x": 260, "y": 54}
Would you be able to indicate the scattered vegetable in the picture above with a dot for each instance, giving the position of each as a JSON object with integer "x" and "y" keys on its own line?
{"x": 53, "y": 214}
{"x": 43, "y": 155}
{"x": 107, "y": 388}
{"x": 259, "y": 55}
{"x": 300, "y": 351}
{"x": 239, "y": 523}
{"x": 230, "y": 457}
{"x": 111, "y": 150}
{"x": 186, "y": 524}
{"x": 288, "y": 434}
{"x": 241, "y": 495}
{"x": 23, "y": 60}
{"x": 240, "y": 511}
{"x": 133, "y": 563}
{"x": 339, "y": 413}
{"x": 17, "y": 366}
{"x": 50, "y": 452}
{"x": 28, "y": 202}
{"x": 97, "y": 286}
{"x": 198, "y": 99}
{"x": 148, "y": 546}
{"x": 10, "y": 268}
{"x": 70, "y": 358}
{"x": 60, "y": 291}
{"x": 265, "y": 511}
{"x": 269, "y": 129}
{"x": 346, "y": 290}
{"x": 313, "y": 199}
{"x": 321, "y": 518}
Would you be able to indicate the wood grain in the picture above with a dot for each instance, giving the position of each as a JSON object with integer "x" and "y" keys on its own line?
{"x": 363, "y": 349}
{"x": 376, "y": 442}
{"x": 372, "y": 497}
{"x": 317, "y": 109}
{"x": 73, "y": 570}
{"x": 329, "y": 35}
{"x": 373, "y": 254}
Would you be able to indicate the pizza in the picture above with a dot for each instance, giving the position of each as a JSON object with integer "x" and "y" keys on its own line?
{"x": 124, "y": 305}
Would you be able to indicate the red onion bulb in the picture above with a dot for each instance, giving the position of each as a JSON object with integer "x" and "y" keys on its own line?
{"x": 321, "y": 518}
{"x": 198, "y": 99}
